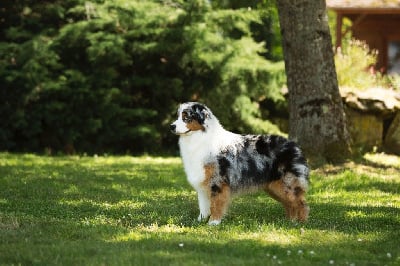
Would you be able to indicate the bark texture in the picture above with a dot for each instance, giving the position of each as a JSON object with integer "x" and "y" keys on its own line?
{"x": 317, "y": 119}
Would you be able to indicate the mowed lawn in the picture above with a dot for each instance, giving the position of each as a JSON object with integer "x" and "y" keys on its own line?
{"x": 141, "y": 211}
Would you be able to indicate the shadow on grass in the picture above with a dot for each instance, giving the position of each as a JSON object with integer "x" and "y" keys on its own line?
{"x": 364, "y": 164}
{"x": 343, "y": 218}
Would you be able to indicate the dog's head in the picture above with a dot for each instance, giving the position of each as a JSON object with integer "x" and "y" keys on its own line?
{"x": 192, "y": 117}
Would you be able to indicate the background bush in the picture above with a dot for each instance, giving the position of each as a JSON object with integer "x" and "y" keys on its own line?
{"x": 354, "y": 66}
{"x": 107, "y": 76}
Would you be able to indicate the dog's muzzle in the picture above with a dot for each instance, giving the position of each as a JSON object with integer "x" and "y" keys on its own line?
{"x": 172, "y": 127}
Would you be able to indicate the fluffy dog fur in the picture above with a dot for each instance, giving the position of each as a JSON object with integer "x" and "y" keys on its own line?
{"x": 220, "y": 164}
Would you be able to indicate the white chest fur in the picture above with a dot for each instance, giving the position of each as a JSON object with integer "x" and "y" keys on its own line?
{"x": 193, "y": 156}
{"x": 201, "y": 148}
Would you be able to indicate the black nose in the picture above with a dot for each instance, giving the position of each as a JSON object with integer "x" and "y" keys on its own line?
{"x": 172, "y": 127}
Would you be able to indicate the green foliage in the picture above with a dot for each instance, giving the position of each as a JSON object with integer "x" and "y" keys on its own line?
{"x": 354, "y": 64}
{"x": 268, "y": 31}
{"x": 354, "y": 67}
{"x": 244, "y": 76}
{"x": 394, "y": 81}
{"x": 141, "y": 211}
{"x": 107, "y": 76}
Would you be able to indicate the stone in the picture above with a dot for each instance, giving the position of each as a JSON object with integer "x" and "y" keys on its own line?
{"x": 392, "y": 138}
{"x": 373, "y": 100}
{"x": 365, "y": 129}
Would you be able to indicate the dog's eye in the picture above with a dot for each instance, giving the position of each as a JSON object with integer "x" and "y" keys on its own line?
{"x": 186, "y": 117}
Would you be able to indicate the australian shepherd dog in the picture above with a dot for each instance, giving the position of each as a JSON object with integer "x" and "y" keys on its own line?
{"x": 220, "y": 164}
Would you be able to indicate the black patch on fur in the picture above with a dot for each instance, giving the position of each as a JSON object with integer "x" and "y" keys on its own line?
{"x": 277, "y": 171}
{"x": 215, "y": 189}
{"x": 224, "y": 165}
{"x": 276, "y": 142}
{"x": 246, "y": 142}
{"x": 288, "y": 154}
{"x": 199, "y": 113}
{"x": 297, "y": 191}
{"x": 262, "y": 146}
{"x": 255, "y": 175}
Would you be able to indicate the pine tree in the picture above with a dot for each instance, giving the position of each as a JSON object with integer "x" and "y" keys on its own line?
{"x": 107, "y": 76}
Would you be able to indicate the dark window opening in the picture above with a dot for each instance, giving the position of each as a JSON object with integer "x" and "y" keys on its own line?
{"x": 394, "y": 57}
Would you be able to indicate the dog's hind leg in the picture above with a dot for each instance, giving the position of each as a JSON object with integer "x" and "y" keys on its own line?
{"x": 291, "y": 193}
{"x": 302, "y": 208}
{"x": 220, "y": 199}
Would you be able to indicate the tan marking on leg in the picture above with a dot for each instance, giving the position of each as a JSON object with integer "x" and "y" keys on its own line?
{"x": 291, "y": 194}
{"x": 219, "y": 202}
{"x": 276, "y": 190}
{"x": 279, "y": 191}
{"x": 209, "y": 170}
{"x": 302, "y": 208}
{"x": 299, "y": 191}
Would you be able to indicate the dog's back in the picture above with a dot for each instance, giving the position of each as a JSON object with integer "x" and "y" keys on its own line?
{"x": 257, "y": 160}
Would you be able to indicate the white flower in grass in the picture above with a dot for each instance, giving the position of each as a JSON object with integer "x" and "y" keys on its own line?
{"x": 181, "y": 245}
{"x": 388, "y": 255}
{"x": 274, "y": 257}
{"x": 288, "y": 252}
{"x": 300, "y": 252}
{"x": 331, "y": 262}
{"x": 312, "y": 252}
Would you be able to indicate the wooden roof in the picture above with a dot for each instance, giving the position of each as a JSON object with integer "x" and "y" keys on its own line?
{"x": 365, "y": 6}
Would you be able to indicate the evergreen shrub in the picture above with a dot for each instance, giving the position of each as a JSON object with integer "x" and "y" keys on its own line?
{"x": 107, "y": 76}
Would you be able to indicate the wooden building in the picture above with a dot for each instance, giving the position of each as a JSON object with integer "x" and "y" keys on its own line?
{"x": 377, "y": 22}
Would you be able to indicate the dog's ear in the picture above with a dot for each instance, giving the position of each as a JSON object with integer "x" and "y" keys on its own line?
{"x": 200, "y": 113}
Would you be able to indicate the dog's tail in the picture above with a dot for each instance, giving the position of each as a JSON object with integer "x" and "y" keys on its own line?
{"x": 289, "y": 158}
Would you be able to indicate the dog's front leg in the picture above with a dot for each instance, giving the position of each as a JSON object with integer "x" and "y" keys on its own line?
{"x": 220, "y": 199}
{"x": 204, "y": 204}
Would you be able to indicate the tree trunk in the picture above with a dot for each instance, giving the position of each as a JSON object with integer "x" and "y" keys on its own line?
{"x": 317, "y": 119}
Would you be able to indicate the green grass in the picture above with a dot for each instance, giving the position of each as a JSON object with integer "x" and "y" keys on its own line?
{"x": 141, "y": 211}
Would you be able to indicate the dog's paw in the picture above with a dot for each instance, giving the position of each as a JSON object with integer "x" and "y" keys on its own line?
{"x": 202, "y": 217}
{"x": 214, "y": 222}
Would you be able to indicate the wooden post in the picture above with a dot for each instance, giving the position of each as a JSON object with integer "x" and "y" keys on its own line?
{"x": 339, "y": 23}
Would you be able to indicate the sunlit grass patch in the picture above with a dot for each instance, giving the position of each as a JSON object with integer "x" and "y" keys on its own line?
{"x": 122, "y": 210}
{"x": 383, "y": 159}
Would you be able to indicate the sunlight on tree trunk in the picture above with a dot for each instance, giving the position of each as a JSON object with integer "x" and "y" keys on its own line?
{"x": 317, "y": 120}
